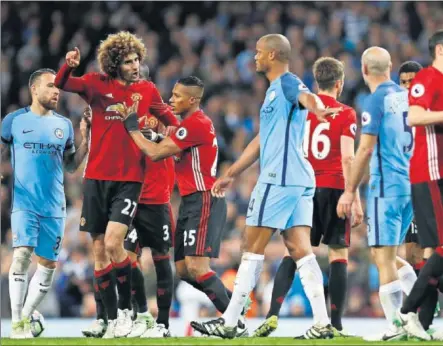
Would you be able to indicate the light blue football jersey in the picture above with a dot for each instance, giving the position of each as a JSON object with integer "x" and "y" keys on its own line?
{"x": 37, "y": 145}
{"x": 384, "y": 115}
{"x": 282, "y": 127}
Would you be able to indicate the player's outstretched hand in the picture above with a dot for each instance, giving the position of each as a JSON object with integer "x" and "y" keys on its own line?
{"x": 345, "y": 204}
{"x": 357, "y": 213}
{"x": 129, "y": 117}
{"x": 322, "y": 114}
{"x": 73, "y": 58}
{"x": 220, "y": 186}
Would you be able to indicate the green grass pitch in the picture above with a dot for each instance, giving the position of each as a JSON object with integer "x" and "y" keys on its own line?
{"x": 205, "y": 341}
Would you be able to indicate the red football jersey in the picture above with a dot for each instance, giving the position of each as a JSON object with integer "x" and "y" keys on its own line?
{"x": 112, "y": 153}
{"x": 156, "y": 186}
{"x": 196, "y": 166}
{"x": 427, "y": 159}
{"x": 170, "y": 163}
{"x": 322, "y": 143}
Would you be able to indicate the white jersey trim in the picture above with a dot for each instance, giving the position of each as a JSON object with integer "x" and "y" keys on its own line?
{"x": 431, "y": 141}
{"x": 198, "y": 176}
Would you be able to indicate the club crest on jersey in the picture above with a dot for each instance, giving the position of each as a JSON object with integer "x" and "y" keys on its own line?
{"x": 353, "y": 129}
{"x": 136, "y": 97}
{"x": 58, "y": 133}
{"x": 418, "y": 90}
{"x": 181, "y": 133}
{"x": 272, "y": 95}
{"x": 365, "y": 118}
{"x": 151, "y": 123}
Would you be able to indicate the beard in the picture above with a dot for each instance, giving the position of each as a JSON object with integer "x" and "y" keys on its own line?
{"x": 128, "y": 77}
{"x": 48, "y": 104}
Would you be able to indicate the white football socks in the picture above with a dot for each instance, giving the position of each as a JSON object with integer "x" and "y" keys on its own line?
{"x": 312, "y": 281}
{"x": 245, "y": 281}
{"x": 407, "y": 277}
{"x": 391, "y": 297}
{"x": 18, "y": 281}
{"x": 38, "y": 288}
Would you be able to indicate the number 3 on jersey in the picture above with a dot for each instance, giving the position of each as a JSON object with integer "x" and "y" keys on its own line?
{"x": 320, "y": 145}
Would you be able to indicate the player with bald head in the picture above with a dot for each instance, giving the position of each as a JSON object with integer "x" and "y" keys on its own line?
{"x": 386, "y": 145}
{"x": 283, "y": 196}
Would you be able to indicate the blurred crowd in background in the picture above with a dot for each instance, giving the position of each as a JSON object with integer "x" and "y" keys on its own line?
{"x": 215, "y": 41}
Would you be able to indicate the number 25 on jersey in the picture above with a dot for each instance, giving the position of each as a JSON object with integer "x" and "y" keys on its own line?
{"x": 320, "y": 144}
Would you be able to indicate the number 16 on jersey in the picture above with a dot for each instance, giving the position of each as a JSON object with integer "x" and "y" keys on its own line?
{"x": 320, "y": 144}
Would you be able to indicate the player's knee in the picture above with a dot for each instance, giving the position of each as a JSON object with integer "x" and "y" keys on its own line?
{"x": 132, "y": 256}
{"x": 47, "y": 263}
{"x": 180, "y": 269}
{"x": 298, "y": 252}
{"x": 21, "y": 259}
{"x": 337, "y": 254}
{"x": 197, "y": 267}
{"x": 99, "y": 249}
{"x": 113, "y": 246}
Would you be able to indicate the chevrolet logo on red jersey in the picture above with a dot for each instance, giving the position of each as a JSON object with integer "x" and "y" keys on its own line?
{"x": 117, "y": 108}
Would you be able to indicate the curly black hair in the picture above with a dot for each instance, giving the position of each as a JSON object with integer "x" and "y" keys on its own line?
{"x": 115, "y": 48}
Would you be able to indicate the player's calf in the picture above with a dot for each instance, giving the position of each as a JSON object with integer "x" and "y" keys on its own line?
{"x": 39, "y": 286}
{"x": 165, "y": 283}
{"x": 198, "y": 270}
{"x": 338, "y": 279}
{"x": 390, "y": 290}
{"x": 114, "y": 239}
{"x": 18, "y": 280}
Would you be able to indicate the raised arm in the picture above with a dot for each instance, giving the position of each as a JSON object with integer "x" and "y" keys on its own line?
{"x": 296, "y": 92}
{"x": 64, "y": 80}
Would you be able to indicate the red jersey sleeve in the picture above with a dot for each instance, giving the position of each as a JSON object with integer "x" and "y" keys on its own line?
{"x": 81, "y": 85}
{"x": 350, "y": 124}
{"x": 189, "y": 134}
{"x": 421, "y": 92}
{"x": 161, "y": 110}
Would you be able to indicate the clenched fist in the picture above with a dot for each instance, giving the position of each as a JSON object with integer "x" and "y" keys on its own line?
{"x": 73, "y": 58}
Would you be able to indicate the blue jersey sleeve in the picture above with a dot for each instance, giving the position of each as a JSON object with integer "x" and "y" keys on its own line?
{"x": 70, "y": 147}
{"x": 372, "y": 115}
{"x": 292, "y": 87}
{"x": 6, "y": 136}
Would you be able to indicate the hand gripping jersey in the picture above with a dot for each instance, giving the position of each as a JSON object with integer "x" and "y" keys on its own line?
{"x": 196, "y": 168}
{"x": 112, "y": 153}
{"x": 156, "y": 186}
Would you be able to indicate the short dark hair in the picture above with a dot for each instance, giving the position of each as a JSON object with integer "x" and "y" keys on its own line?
{"x": 36, "y": 75}
{"x": 191, "y": 81}
{"x": 410, "y": 66}
{"x": 327, "y": 71}
{"x": 434, "y": 40}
